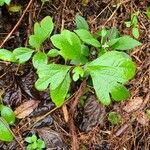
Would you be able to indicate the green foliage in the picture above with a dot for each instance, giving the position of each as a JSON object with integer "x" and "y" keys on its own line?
{"x": 7, "y": 114}
{"x": 148, "y": 113}
{"x": 34, "y": 143}
{"x": 77, "y": 73}
{"x": 109, "y": 71}
{"x": 2, "y": 2}
{"x": 87, "y": 37}
{"x": 148, "y": 13}
{"x": 133, "y": 23}
{"x": 6, "y": 55}
{"x": 114, "y": 118}
{"x": 5, "y": 134}
{"x": 53, "y": 53}
{"x": 123, "y": 43}
{"x": 68, "y": 43}
{"x": 81, "y": 23}
{"x": 7, "y": 118}
{"x": 42, "y": 31}
{"x": 39, "y": 59}
{"x": 22, "y": 54}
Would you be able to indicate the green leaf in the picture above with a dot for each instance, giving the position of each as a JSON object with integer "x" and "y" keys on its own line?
{"x": 77, "y": 72}
{"x": 28, "y": 139}
{"x": 148, "y": 13}
{"x": 114, "y": 118}
{"x": 34, "y": 138}
{"x": 85, "y": 50}
{"x": 119, "y": 92}
{"x": 134, "y": 20}
{"x": 53, "y": 53}
{"x": 7, "y": 114}
{"x": 108, "y": 73}
{"x": 39, "y": 59}
{"x": 40, "y": 144}
{"x": 125, "y": 43}
{"x": 57, "y": 40}
{"x": 29, "y": 147}
{"x": 1, "y": 3}
{"x": 58, "y": 95}
{"x": 128, "y": 24}
{"x": 81, "y": 23}
{"x": 42, "y": 31}
{"x": 5, "y": 134}
{"x": 7, "y": 1}
{"x": 49, "y": 74}
{"x": 87, "y": 37}
{"x": 148, "y": 113}
{"x": 7, "y": 55}
{"x": 68, "y": 43}
{"x": 34, "y": 145}
{"x": 135, "y": 32}
{"x": 103, "y": 32}
{"x": 23, "y": 54}
{"x": 35, "y": 41}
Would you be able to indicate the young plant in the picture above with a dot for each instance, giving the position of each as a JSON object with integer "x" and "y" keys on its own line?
{"x": 7, "y": 118}
{"x": 2, "y": 2}
{"x": 34, "y": 143}
{"x": 114, "y": 118}
{"x": 134, "y": 24}
{"x": 109, "y": 71}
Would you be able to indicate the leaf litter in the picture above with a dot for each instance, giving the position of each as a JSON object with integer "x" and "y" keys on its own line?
{"x": 18, "y": 88}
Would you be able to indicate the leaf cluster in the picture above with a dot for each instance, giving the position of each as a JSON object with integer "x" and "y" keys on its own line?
{"x": 133, "y": 23}
{"x": 34, "y": 143}
{"x": 109, "y": 71}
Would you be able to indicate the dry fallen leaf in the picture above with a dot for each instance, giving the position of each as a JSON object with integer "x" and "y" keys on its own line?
{"x": 26, "y": 108}
{"x": 133, "y": 104}
{"x": 52, "y": 139}
{"x": 142, "y": 118}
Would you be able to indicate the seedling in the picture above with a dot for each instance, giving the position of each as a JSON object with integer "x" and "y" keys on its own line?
{"x": 7, "y": 118}
{"x": 109, "y": 72}
{"x": 114, "y": 118}
{"x": 34, "y": 143}
{"x": 134, "y": 24}
{"x": 2, "y": 2}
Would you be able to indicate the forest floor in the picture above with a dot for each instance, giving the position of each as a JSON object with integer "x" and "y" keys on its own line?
{"x": 90, "y": 129}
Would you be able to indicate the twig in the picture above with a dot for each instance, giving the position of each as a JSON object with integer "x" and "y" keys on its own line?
{"x": 17, "y": 24}
{"x": 78, "y": 94}
{"x": 63, "y": 21}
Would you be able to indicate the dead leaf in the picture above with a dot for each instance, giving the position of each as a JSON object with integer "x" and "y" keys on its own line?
{"x": 133, "y": 104}
{"x": 142, "y": 118}
{"x": 52, "y": 139}
{"x": 92, "y": 115}
{"x": 26, "y": 108}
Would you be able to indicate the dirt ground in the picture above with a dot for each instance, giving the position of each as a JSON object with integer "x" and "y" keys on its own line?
{"x": 89, "y": 128}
